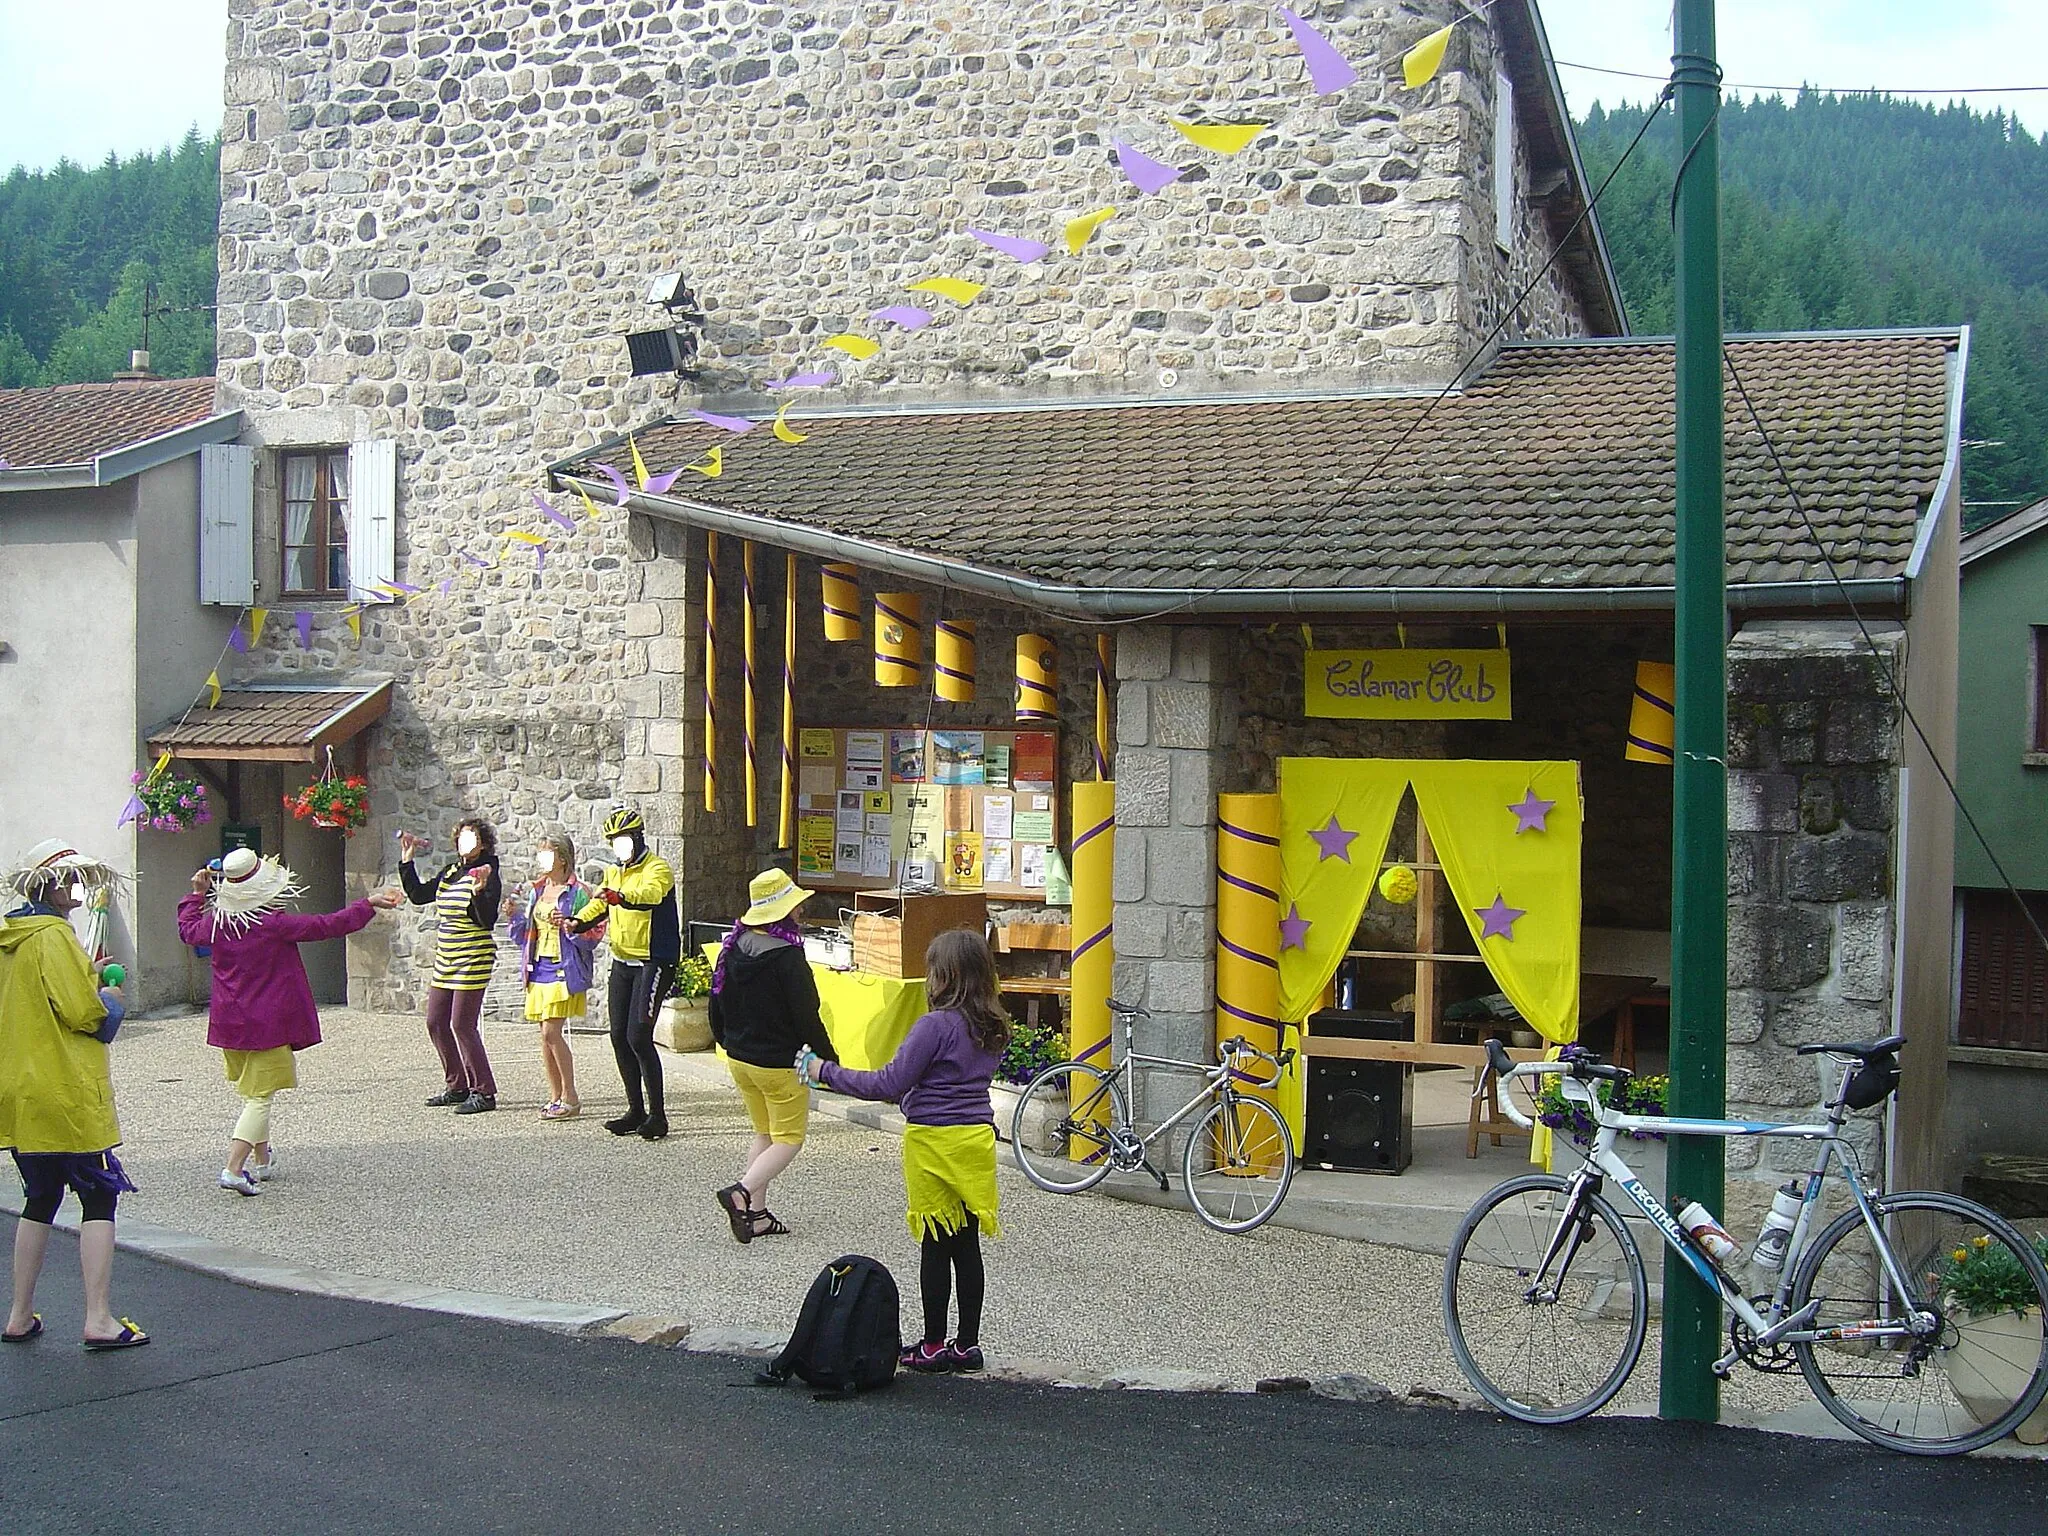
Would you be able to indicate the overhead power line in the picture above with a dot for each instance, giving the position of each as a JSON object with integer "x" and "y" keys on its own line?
{"x": 1828, "y": 90}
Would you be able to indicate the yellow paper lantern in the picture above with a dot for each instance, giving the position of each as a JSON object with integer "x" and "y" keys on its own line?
{"x": 953, "y": 660}
{"x": 841, "y": 602}
{"x": 1038, "y": 679}
{"x": 1652, "y": 722}
{"x": 899, "y": 639}
{"x": 1398, "y": 884}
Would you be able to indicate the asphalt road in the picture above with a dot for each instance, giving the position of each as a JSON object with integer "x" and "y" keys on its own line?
{"x": 254, "y": 1410}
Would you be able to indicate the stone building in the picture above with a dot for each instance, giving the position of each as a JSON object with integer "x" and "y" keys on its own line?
{"x": 1301, "y": 382}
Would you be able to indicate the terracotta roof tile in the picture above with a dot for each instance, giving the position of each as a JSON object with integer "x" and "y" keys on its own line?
{"x": 274, "y": 724}
{"x": 75, "y": 423}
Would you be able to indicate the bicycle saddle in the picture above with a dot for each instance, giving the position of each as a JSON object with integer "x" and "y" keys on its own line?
{"x": 1875, "y": 1048}
{"x": 1127, "y": 1008}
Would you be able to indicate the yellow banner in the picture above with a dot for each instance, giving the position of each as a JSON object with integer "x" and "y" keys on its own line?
{"x": 1407, "y": 684}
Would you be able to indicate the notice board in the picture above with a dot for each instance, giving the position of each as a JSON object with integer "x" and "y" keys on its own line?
{"x": 957, "y": 810}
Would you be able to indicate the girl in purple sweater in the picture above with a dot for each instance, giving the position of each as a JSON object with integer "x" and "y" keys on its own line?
{"x": 939, "y": 1078}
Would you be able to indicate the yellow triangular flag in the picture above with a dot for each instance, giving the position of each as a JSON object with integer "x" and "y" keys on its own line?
{"x": 1080, "y": 231}
{"x": 784, "y": 430}
{"x": 854, "y": 346}
{"x": 589, "y": 505}
{"x": 1223, "y": 138}
{"x": 639, "y": 464}
{"x": 712, "y": 467}
{"x": 958, "y": 289}
{"x": 256, "y": 618}
{"x": 355, "y": 623}
{"x": 213, "y": 689}
{"x": 1420, "y": 63}
{"x": 162, "y": 766}
{"x": 524, "y": 537}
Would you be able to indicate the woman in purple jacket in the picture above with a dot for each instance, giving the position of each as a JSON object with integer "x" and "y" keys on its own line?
{"x": 262, "y": 1006}
{"x": 555, "y": 963}
{"x": 939, "y": 1077}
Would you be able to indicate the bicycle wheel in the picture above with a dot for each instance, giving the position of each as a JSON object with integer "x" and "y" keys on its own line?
{"x": 1061, "y": 1129}
{"x": 1238, "y": 1163}
{"x": 1975, "y": 1375}
{"x": 1553, "y": 1352}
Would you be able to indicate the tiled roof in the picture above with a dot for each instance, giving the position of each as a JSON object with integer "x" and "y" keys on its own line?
{"x": 75, "y": 423}
{"x": 293, "y": 725}
{"x": 1552, "y": 469}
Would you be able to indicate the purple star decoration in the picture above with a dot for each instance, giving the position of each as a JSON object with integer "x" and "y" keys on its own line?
{"x": 1498, "y": 920}
{"x": 1294, "y": 929}
{"x": 1334, "y": 841}
{"x": 1530, "y": 812}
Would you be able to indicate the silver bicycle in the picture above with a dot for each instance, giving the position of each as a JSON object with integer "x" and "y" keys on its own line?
{"x": 1072, "y": 1127}
{"x": 1546, "y": 1299}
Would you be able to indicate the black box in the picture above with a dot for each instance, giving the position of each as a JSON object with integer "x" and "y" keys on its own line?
{"x": 1362, "y": 1024}
{"x": 1361, "y": 1114}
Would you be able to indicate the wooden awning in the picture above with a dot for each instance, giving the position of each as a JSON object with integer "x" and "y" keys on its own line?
{"x": 282, "y": 724}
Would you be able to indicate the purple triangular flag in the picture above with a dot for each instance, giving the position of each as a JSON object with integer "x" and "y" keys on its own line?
{"x": 238, "y": 639}
{"x": 657, "y": 485}
{"x": 909, "y": 316}
{"x": 130, "y": 812}
{"x": 811, "y": 380}
{"x": 1147, "y": 175}
{"x": 446, "y": 586}
{"x": 724, "y": 423}
{"x": 548, "y": 510}
{"x": 540, "y": 558}
{"x": 480, "y": 564}
{"x": 305, "y": 622}
{"x": 618, "y": 483}
{"x": 402, "y": 586}
{"x": 1328, "y": 70}
{"x": 1014, "y": 246}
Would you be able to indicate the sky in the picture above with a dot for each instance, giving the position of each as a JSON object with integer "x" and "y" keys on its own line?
{"x": 153, "y": 67}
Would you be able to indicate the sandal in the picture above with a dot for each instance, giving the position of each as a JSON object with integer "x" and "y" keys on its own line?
{"x": 774, "y": 1228}
{"x": 734, "y": 1198}
{"x": 130, "y": 1337}
{"x": 35, "y": 1326}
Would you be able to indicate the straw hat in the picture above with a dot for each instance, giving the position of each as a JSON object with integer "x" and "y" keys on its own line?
{"x": 249, "y": 886}
{"x": 774, "y": 896}
{"x": 54, "y": 861}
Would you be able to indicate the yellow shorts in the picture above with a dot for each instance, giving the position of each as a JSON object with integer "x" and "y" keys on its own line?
{"x": 778, "y": 1101}
{"x": 258, "y": 1074}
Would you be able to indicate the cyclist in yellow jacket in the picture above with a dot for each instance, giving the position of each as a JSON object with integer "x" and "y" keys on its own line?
{"x": 639, "y": 895}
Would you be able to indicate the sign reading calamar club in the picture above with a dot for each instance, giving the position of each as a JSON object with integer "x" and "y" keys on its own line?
{"x": 1405, "y": 684}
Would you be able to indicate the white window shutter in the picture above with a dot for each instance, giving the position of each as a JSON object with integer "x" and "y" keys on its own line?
{"x": 1503, "y": 162}
{"x": 227, "y": 507}
{"x": 372, "y": 520}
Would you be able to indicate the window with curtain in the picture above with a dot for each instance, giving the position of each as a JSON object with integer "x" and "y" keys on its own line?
{"x": 316, "y": 524}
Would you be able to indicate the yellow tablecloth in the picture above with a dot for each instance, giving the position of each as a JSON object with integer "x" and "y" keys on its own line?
{"x": 866, "y": 1015}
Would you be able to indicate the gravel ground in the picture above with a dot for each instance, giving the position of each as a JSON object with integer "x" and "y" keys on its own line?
{"x": 373, "y": 1183}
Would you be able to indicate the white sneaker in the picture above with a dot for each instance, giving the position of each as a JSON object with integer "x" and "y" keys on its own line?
{"x": 265, "y": 1172}
{"x": 241, "y": 1183}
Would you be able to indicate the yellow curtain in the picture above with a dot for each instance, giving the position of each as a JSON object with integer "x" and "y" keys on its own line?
{"x": 1335, "y": 817}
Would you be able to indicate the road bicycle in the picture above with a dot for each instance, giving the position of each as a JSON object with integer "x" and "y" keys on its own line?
{"x": 1546, "y": 1300}
{"x": 1072, "y": 1128}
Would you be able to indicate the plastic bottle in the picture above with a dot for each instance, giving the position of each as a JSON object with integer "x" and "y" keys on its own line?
{"x": 1776, "y": 1236}
{"x": 1717, "y": 1240}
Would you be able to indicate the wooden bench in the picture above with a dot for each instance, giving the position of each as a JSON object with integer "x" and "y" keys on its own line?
{"x": 1055, "y": 940}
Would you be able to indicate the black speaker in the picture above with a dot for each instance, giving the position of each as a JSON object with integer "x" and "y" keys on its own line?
{"x": 1361, "y": 1114}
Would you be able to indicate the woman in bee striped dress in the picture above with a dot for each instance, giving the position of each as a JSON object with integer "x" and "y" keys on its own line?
{"x": 465, "y": 898}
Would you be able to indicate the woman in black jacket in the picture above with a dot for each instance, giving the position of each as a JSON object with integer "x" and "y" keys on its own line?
{"x": 764, "y": 1005}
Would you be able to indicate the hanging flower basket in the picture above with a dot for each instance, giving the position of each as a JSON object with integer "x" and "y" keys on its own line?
{"x": 170, "y": 803}
{"x": 329, "y": 802}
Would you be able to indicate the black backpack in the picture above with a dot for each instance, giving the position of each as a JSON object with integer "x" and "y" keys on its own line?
{"x": 848, "y": 1334}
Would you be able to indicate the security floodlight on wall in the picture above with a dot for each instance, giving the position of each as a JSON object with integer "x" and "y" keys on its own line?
{"x": 673, "y": 347}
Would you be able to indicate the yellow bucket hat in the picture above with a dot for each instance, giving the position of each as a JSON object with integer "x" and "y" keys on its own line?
{"x": 774, "y": 896}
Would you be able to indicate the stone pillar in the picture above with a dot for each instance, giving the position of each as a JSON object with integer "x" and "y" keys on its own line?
{"x": 1176, "y": 720}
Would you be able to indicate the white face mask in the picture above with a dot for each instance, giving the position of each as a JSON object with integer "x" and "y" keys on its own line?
{"x": 78, "y": 894}
{"x": 466, "y": 844}
{"x": 545, "y": 864}
{"x": 623, "y": 847}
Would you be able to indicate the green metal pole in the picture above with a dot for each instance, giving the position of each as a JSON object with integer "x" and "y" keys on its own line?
{"x": 1699, "y": 823}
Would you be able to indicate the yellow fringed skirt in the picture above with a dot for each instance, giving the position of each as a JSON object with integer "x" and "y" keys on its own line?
{"x": 949, "y": 1173}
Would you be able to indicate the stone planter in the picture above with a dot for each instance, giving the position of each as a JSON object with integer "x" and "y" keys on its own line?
{"x": 684, "y": 1024}
{"x": 1982, "y": 1369}
{"x": 1003, "y": 1098}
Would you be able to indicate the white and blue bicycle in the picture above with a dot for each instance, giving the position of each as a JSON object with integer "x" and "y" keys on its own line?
{"x": 1546, "y": 1298}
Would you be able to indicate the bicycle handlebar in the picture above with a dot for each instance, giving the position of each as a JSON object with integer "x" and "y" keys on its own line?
{"x": 1237, "y": 1046}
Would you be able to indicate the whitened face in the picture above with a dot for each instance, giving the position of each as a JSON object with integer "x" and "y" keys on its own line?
{"x": 622, "y": 848}
{"x": 466, "y": 844}
{"x": 544, "y": 863}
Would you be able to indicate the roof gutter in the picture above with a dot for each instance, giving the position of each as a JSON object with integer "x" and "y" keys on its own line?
{"x": 1952, "y": 462}
{"x": 123, "y": 463}
{"x": 1095, "y": 604}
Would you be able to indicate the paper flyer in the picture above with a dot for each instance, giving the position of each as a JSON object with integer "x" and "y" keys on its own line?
{"x": 906, "y": 757}
{"x": 863, "y": 778}
{"x": 995, "y": 862}
{"x": 846, "y": 854}
{"x": 815, "y": 744}
{"x": 878, "y": 802}
{"x": 963, "y": 861}
{"x": 1032, "y": 826}
{"x": 880, "y": 826}
{"x": 814, "y": 844}
{"x": 1031, "y": 866}
{"x": 1031, "y": 764}
{"x": 852, "y": 811}
{"x": 814, "y": 780}
{"x": 995, "y": 817}
{"x": 864, "y": 749}
{"x": 956, "y": 757}
{"x": 960, "y": 804}
{"x": 1059, "y": 885}
{"x": 874, "y": 863}
{"x": 996, "y": 764}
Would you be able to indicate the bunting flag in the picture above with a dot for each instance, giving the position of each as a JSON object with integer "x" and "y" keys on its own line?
{"x": 712, "y": 467}
{"x": 639, "y": 464}
{"x": 958, "y": 289}
{"x": 1080, "y": 231}
{"x": 659, "y": 485}
{"x": 854, "y": 346}
{"x": 132, "y": 811}
{"x": 1103, "y": 672}
{"x": 1328, "y": 70}
{"x": 812, "y": 380}
{"x": 908, "y": 316}
{"x": 747, "y": 722}
{"x": 1420, "y": 63}
{"x": 355, "y": 624}
{"x": 618, "y": 483}
{"x": 1220, "y": 138}
{"x": 784, "y": 430}
{"x": 549, "y": 511}
{"x": 1149, "y": 176}
{"x": 1013, "y": 246}
{"x": 840, "y": 599}
{"x": 238, "y": 639}
{"x": 590, "y": 506}
{"x": 213, "y": 689}
{"x": 785, "y": 835}
{"x": 737, "y": 425}
{"x": 256, "y": 618}
{"x": 953, "y": 660}
{"x": 521, "y": 536}
{"x": 304, "y": 621}
{"x": 711, "y": 672}
{"x": 163, "y": 766}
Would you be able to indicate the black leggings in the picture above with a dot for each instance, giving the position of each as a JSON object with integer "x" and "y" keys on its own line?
{"x": 45, "y": 1177}
{"x": 939, "y": 1259}
{"x": 634, "y": 998}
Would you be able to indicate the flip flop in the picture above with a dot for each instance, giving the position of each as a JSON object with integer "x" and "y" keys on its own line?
{"x": 733, "y": 1198}
{"x": 35, "y": 1326}
{"x": 130, "y": 1337}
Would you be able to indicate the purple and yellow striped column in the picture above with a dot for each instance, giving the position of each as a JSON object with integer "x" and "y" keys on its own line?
{"x": 1652, "y": 722}
{"x": 1038, "y": 680}
{"x": 1248, "y": 936}
{"x": 1094, "y": 919}
{"x": 1103, "y": 673}
{"x": 953, "y": 660}
{"x": 899, "y": 639}
{"x": 747, "y": 721}
{"x": 785, "y": 835}
{"x": 711, "y": 672}
{"x": 840, "y": 598}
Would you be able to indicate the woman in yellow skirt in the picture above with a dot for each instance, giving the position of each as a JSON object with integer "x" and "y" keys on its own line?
{"x": 940, "y": 1077}
{"x": 556, "y": 964}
